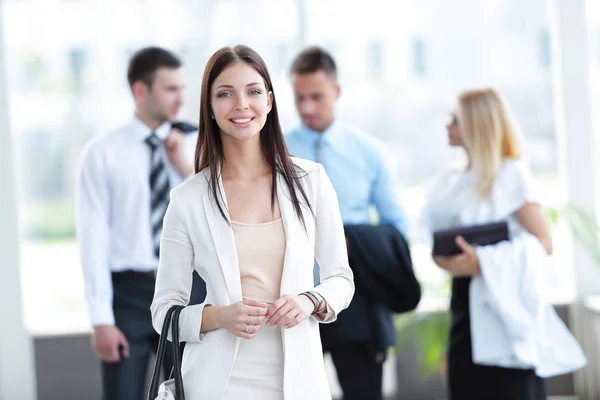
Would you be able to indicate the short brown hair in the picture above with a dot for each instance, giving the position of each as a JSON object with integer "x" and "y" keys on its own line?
{"x": 313, "y": 59}
{"x": 144, "y": 63}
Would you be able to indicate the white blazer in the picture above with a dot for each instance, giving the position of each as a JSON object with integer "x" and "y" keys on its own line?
{"x": 513, "y": 324}
{"x": 196, "y": 236}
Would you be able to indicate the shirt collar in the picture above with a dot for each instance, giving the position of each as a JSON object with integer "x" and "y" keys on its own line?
{"x": 330, "y": 135}
{"x": 141, "y": 131}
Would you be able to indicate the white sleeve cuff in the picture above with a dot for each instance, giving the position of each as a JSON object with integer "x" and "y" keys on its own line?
{"x": 190, "y": 324}
{"x": 102, "y": 314}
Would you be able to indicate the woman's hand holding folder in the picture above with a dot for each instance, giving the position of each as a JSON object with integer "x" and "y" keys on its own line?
{"x": 463, "y": 264}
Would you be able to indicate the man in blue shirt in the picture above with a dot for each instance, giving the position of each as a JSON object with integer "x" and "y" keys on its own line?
{"x": 357, "y": 168}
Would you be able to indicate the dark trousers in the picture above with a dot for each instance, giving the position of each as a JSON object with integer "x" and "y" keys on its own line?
{"x": 359, "y": 372}
{"x": 133, "y": 293}
{"x": 467, "y": 381}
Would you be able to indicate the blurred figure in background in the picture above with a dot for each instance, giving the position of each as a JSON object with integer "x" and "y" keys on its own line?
{"x": 123, "y": 191}
{"x": 362, "y": 179}
{"x": 504, "y": 335}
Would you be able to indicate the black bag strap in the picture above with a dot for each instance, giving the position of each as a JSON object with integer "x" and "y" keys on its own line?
{"x": 180, "y": 394}
{"x": 160, "y": 351}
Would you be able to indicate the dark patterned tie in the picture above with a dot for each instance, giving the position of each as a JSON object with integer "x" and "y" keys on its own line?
{"x": 159, "y": 190}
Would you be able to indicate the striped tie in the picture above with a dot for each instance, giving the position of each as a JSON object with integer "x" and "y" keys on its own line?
{"x": 159, "y": 190}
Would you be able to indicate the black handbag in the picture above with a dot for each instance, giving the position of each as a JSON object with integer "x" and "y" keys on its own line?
{"x": 171, "y": 389}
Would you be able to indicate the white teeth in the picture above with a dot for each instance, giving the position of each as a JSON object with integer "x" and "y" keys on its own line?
{"x": 242, "y": 121}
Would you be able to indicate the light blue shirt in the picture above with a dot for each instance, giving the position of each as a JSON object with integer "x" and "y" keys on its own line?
{"x": 358, "y": 170}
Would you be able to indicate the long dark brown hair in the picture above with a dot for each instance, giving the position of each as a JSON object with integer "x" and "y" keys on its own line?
{"x": 209, "y": 147}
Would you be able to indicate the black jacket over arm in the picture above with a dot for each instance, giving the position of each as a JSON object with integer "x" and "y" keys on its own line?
{"x": 385, "y": 283}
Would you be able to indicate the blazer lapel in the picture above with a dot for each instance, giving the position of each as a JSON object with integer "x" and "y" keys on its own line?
{"x": 222, "y": 235}
{"x": 290, "y": 226}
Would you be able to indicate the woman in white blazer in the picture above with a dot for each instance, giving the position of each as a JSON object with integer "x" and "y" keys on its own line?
{"x": 251, "y": 222}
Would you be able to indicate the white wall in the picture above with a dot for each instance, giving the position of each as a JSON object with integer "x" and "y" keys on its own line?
{"x": 17, "y": 376}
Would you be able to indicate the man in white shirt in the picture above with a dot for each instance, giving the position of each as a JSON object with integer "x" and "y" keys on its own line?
{"x": 123, "y": 191}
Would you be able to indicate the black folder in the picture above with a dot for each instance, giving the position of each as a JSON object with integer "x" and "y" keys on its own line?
{"x": 477, "y": 235}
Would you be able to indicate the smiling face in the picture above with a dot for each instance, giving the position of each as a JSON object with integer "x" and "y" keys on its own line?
{"x": 240, "y": 102}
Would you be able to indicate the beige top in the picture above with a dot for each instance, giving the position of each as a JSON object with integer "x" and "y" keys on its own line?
{"x": 260, "y": 250}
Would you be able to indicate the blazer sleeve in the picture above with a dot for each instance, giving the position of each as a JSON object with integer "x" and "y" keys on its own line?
{"x": 174, "y": 277}
{"x": 337, "y": 279}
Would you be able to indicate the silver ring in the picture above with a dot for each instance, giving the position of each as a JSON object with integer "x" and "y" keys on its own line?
{"x": 247, "y": 330}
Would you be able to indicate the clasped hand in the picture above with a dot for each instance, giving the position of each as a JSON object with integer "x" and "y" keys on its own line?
{"x": 463, "y": 264}
{"x": 244, "y": 318}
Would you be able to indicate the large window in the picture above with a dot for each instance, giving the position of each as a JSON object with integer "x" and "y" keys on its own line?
{"x": 69, "y": 84}
{"x": 400, "y": 72}
{"x": 594, "y": 48}
{"x": 431, "y": 51}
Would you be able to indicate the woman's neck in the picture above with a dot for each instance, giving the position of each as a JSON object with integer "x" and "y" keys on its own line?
{"x": 243, "y": 160}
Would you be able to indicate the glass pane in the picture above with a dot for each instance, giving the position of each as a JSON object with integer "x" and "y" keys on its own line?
{"x": 400, "y": 72}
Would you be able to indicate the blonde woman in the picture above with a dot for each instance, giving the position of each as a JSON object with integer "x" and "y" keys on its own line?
{"x": 486, "y": 358}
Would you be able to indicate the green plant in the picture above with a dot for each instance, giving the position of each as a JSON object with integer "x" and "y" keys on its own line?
{"x": 584, "y": 226}
{"x": 428, "y": 332}
{"x": 49, "y": 221}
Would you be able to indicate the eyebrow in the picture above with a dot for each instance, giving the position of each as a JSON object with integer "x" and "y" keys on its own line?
{"x": 231, "y": 87}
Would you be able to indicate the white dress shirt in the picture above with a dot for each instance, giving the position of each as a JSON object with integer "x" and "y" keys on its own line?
{"x": 113, "y": 210}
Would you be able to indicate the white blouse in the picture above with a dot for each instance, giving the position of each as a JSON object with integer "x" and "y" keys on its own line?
{"x": 453, "y": 200}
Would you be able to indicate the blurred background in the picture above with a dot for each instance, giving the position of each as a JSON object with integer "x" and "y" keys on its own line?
{"x": 401, "y": 64}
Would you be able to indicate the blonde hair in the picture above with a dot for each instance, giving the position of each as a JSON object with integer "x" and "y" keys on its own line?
{"x": 489, "y": 133}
